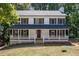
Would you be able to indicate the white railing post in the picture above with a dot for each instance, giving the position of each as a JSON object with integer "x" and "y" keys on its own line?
{"x": 34, "y": 40}
{"x": 59, "y": 34}
{"x": 29, "y": 34}
{"x": 18, "y": 35}
{"x": 43, "y": 40}
{"x": 65, "y": 33}
{"x": 12, "y": 35}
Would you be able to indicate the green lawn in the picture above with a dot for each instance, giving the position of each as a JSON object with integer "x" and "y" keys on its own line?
{"x": 40, "y": 50}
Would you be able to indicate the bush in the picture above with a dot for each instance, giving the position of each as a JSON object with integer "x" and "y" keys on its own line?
{"x": 1, "y": 43}
{"x": 64, "y": 50}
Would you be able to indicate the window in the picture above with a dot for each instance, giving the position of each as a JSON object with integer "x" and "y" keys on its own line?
{"x": 24, "y": 20}
{"x": 66, "y": 32}
{"x": 15, "y": 32}
{"x": 60, "y": 21}
{"x": 52, "y": 20}
{"x": 24, "y": 33}
{"x": 38, "y": 20}
{"x": 10, "y": 32}
{"x": 58, "y": 33}
{"x": 61, "y": 32}
{"x": 52, "y": 32}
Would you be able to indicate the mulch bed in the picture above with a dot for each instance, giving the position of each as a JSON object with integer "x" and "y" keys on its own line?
{"x": 44, "y": 44}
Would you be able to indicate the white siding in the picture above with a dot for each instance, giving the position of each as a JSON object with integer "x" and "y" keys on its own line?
{"x": 45, "y": 33}
{"x": 46, "y": 20}
{"x": 32, "y": 33}
{"x": 31, "y": 20}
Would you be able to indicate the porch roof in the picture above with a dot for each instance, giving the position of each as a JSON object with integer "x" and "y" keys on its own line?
{"x": 31, "y": 26}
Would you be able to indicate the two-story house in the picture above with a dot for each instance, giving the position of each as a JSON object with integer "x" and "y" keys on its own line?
{"x": 43, "y": 26}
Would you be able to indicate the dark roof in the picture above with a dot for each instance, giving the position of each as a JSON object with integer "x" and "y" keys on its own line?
{"x": 31, "y": 26}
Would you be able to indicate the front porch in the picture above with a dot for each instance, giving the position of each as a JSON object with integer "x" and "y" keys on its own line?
{"x": 31, "y": 35}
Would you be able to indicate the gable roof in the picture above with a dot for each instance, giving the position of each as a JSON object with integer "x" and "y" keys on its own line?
{"x": 38, "y": 12}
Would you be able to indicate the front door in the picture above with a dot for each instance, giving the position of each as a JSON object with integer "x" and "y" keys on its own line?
{"x": 38, "y": 33}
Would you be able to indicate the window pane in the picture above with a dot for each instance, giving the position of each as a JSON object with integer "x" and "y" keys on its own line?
{"x": 58, "y": 32}
{"x": 38, "y": 20}
{"x": 24, "y": 20}
{"x": 21, "y": 32}
{"x": 66, "y": 32}
{"x": 61, "y": 32}
{"x": 10, "y": 32}
{"x": 15, "y": 32}
{"x": 60, "y": 21}
{"x": 52, "y": 32}
{"x": 24, "y": 33}
{"x": 52, "y": 20}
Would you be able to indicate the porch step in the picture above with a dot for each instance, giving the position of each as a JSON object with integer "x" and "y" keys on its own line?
{"x": 39, "y": 41}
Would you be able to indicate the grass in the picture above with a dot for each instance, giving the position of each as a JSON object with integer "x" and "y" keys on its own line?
{"x": 34, "y": 50}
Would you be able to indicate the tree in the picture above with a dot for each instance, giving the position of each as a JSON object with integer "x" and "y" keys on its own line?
{"x": 39, "y": 6}
{"x": 22, "y": 6}
{"x": 53, "y": 6}
{"x": 7, "y": 18}
{"x": 46, "y": 6}
{"x": 72, "y": 18}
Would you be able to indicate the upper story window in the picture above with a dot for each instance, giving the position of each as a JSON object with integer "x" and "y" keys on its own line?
{"x": 61, "y": 20}
{"x": 52, "y": 20}
{"x": 24, "y": 20}
{"x": 38, "y": 20}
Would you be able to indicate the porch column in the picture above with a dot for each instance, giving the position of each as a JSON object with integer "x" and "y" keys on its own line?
{"x": 48, "y": 34}
{"x": 12, "y": 34}
{"x": 56, "y": 34}
{"x": 18, "y": 34}
{"x": 29, "y": 33}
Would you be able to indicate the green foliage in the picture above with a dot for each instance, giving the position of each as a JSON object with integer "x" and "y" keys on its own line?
{"x": 39, "y": 6}
{"x": 46, "y": 6}
{"x": 7, "y": 18}
{"x": 7, "y": 14}
{"x": 22, "y": 6}
{"x": 53, "y": 6}
{"x": 72, "y": 18}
